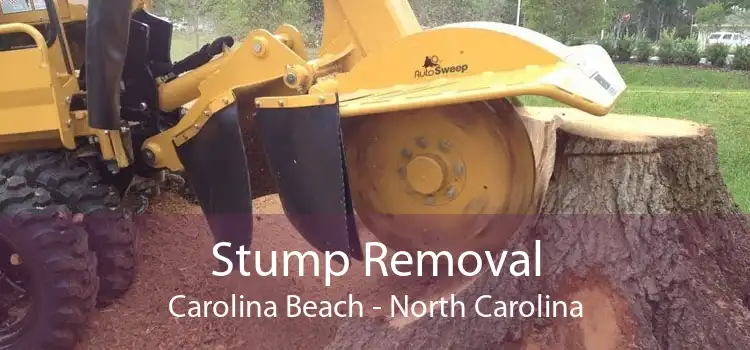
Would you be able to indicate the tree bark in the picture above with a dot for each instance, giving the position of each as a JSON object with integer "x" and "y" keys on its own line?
{"x": 636, "y": 224}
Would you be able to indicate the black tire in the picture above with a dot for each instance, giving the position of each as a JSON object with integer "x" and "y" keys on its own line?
{"x": 111, "y": 229}
{"x": 60, "y": 269}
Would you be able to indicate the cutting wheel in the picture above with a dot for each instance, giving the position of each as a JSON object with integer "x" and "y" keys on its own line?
{"x": 452, "y": 178}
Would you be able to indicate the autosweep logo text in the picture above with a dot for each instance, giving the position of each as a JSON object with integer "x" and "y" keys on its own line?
{"x": 433, "y": 67}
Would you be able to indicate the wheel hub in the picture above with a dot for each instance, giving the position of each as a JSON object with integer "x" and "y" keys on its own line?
{"x": 432, "y": 170}
{"x": 437, "y": 178}
{"x": 425, "y": 175}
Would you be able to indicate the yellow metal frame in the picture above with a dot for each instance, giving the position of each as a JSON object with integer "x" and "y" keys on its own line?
{"x": 66, "y": 11}
{"x": 36, "y": 95}
{"x": 299, "y": 101}
{"x": 370, "y": 56}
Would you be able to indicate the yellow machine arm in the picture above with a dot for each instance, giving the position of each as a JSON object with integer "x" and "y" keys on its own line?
{"x": 403, "y": 84}
{"x": 389, "y": 119}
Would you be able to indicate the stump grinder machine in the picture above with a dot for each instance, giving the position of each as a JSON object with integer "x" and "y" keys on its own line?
{"x": 416, "y": 130}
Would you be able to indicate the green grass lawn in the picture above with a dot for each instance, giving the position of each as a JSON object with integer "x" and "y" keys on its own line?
{"x": 184, "y": 43}
{"x": 719, "y": 99}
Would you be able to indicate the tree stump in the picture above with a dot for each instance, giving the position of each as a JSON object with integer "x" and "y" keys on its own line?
{"x": 636, "y": 224}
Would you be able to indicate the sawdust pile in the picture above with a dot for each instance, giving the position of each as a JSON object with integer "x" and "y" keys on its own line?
{"x": 176, "y": 258}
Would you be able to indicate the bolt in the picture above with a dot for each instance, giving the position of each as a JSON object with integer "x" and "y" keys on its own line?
{"x": 291, "y": 78}
{"x": 106, "y": 132}
{"x": 15, "y": 259}
{"x": 406, "y": 153}
{"x": 444, "y": 145}
{"x": 69, "y": 123}
{"x": 225, "y": 100}
{"x": 113, "y": 168}
{"x": 196, "y": 126}
{"x": 281, "y": 103}
{"x": 422, "y": 142}
{"x": 458, "y": 169}
{"x": 149, "y": 157}
{"x": 429, "y": 200}
{"x": 207, "y": 113}
{"x": 257, "y": 48}
{"x": 322, "y": 99}
{"x": 450, "y": 193}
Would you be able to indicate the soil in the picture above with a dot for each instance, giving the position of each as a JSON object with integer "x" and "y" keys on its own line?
{"x": 176, "y": 259}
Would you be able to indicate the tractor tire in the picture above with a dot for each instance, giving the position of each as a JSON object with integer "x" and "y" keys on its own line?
{"x": 44, "y": 255}
{"x": 110, "y": 225}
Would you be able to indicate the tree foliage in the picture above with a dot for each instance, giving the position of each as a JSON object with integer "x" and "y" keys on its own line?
{"x": 566, "y": 20}
{"x": 712, "y": 14}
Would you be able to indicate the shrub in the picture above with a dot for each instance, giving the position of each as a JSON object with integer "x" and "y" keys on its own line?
{"x": 741, "y": 59}
{"x": 608, "y": 45}
{"x": 643, "y": 49}
{"x": 623, "y": 49}
{"x": 667, "y": 49}
{"x": 575, "y": 42}
{"x": 717, "y": 54}
{"x": 688, "y": 52}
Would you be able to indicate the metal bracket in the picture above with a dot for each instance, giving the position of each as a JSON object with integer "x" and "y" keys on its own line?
{"x": 213, "y": 107}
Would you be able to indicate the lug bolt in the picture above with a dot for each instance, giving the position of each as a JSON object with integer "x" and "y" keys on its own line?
{"x": 402, "y": 172}
{"x": 451, "y": 193}
{"x": 445, "y": 146}
{"x": 422, "y": 142}
{"x": 406, "y": 153}
{"x": 458, "y": 169}
{"x": 430, "y": 200}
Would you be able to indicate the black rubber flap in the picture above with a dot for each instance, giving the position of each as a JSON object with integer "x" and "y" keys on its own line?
{"x": 216, "y": 169}
{"x": 304, "y": 151}
{"x": 107, "y": 32}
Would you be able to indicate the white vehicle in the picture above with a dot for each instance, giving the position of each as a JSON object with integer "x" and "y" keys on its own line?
{"x": 728, "y": 38}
